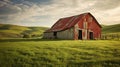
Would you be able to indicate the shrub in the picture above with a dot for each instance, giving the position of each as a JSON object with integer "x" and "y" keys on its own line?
{"x": 26, "y": 36}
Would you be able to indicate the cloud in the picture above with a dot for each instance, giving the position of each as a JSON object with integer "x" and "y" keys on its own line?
{"x": 9, "y": 9}
{"x": 107, "y": 4}
{"x": 47, "y": 12}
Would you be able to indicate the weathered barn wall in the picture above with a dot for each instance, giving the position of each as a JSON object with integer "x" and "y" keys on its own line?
{"x": 48, "y": 35}
{"x": 66, "y": 34}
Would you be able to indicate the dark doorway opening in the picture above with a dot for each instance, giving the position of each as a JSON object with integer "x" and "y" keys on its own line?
{"x": 80, "y": 35}
{"x": 55, "y": 34}
{"x": 91, "y": 35}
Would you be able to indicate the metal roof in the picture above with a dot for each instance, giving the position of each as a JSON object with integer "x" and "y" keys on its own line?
{"x": 67, "y": 22}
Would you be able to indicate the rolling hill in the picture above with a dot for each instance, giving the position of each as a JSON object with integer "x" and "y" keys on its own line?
{"x": 111, "y": 28}
{"x": 15, "y": 31}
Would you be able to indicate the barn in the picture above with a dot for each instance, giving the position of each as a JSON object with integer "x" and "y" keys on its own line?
{"x": 78, "y": 27}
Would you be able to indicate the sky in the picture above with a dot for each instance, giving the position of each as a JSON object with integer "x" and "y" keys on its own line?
{"x": 47, "y": 12}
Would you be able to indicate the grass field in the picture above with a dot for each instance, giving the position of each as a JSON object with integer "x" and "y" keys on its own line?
{"x": 59, "y": 53}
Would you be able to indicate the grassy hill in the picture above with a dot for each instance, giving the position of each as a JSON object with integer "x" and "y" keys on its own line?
{"x": 59, "y": 53}
{"x": 15, "y": 31}
{"x": 111, "y": 28}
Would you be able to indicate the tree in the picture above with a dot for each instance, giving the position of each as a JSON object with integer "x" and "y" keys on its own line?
{"x": 26, "y": 36}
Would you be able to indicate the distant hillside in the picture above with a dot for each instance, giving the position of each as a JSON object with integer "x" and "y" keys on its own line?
{"x": 15, "y": 31}
{"x": 111, "y": 28}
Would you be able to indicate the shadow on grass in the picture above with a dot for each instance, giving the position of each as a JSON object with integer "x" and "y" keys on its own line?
{"x": 27, "y": 39}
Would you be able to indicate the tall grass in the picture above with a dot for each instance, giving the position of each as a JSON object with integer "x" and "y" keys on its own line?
{"x": 59, "y": 53}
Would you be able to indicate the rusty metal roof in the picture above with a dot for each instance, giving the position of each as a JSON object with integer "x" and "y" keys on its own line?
{"x": 66, "y": 23}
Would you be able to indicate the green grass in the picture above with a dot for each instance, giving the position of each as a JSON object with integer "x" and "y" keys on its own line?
{"x": 15, "y": 31}
{"x": 59, "y": 53}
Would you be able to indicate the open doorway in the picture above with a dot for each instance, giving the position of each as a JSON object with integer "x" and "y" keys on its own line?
{"x": 55, "y": 34}
{"x": 80, "y": 34}
{"x": 91, "y": 35}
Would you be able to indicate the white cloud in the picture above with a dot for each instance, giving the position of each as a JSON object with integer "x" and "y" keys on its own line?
{"x": 28, "y": 13}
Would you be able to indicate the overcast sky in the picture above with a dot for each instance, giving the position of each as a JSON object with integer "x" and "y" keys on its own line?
{"x": 47, "y": 12}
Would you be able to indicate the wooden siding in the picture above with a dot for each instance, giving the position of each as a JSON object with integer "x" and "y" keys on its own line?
{"x": 66, "y": 34}
{"x": 48, "y": 35}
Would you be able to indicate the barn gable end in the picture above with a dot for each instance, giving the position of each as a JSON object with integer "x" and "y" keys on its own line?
{"x": 89, "y": 26}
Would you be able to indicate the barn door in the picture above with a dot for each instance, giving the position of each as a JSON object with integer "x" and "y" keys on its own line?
{"x": 91, "y": 36}
{"x": 80, "y": 35}
{"x": 55, "y": 35}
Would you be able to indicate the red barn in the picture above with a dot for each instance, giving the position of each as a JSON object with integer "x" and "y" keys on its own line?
{"x": 83, "y": 27}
